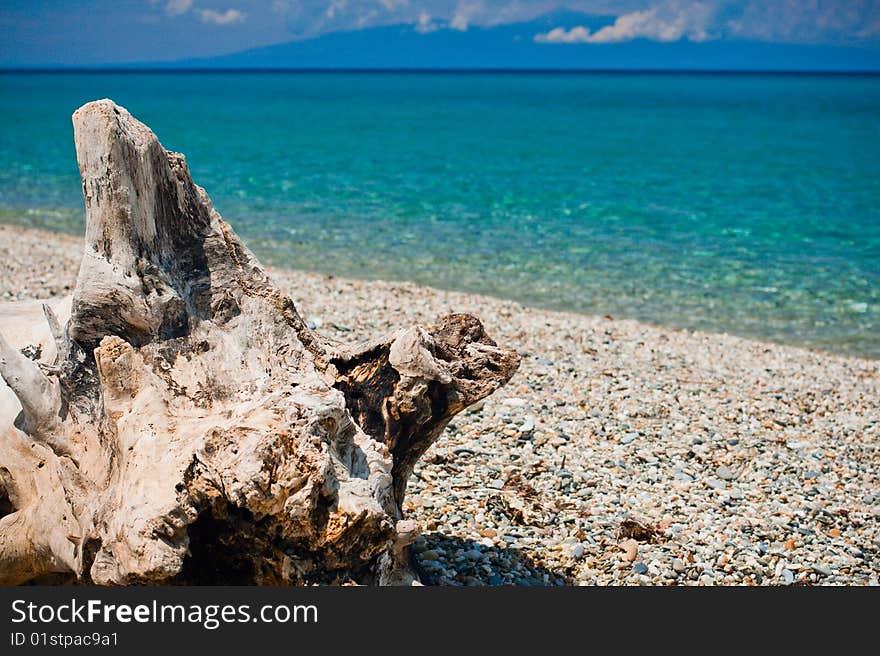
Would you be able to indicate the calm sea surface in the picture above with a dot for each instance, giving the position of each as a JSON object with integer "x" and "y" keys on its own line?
{"x": 745, "y": 204}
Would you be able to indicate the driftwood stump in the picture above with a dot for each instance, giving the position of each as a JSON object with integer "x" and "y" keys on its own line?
{"x": 187, "y": 426}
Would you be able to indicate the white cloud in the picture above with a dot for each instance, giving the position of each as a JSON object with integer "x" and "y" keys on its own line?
{"x": 366, "y": 19}
{"x": 465, "y": 13}
{"x": 577, "y": 34}
{"x": 177, "y": 7}
{"x": 669, "y": 22}
{"x": 424, "y": 24}
{"x": 334, "y": 8}
{"x": 795, "y": 21}
{"x": 228, "y": 17}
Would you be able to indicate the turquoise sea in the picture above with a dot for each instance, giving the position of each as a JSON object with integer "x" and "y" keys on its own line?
{"x": 741, "y": 203}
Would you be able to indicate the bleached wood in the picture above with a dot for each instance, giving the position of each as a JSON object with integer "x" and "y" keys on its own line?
{"x": 185, "y": 425}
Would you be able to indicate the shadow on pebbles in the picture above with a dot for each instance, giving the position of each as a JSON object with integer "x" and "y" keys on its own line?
{"x": 451, "y": 560}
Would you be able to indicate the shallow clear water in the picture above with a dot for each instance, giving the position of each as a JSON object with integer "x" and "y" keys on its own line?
{"x": 745, "y": 204}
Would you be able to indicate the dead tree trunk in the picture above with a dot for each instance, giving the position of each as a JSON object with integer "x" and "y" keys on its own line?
{"x": 192, "y": 428}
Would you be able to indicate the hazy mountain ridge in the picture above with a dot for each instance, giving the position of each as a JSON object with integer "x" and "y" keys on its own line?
{"x": 513, "y": 46}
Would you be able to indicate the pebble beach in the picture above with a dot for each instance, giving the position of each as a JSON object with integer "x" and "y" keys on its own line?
{"x": 621, "y": 453}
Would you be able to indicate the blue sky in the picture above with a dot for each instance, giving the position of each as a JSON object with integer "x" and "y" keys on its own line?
{"x": 88, "y": 32}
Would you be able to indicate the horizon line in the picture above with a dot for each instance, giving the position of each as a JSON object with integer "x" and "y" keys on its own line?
{"x": 430, "y": 70}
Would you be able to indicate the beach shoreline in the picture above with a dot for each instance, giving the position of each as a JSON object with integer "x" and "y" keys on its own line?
{"x": 56, "y": 281}
{"x": 746, "y": 462}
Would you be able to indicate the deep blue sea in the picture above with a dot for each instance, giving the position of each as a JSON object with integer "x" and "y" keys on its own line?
{"x": 737, "y": 203}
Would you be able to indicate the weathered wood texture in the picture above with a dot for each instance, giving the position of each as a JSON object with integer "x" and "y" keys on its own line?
{"x": 186, "y": 426}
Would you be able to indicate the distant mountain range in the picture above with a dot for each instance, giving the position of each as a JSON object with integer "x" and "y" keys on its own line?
{"x": 513, "y": 46}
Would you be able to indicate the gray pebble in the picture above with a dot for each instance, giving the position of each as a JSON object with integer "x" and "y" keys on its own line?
{"x": 724, "y": 473}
